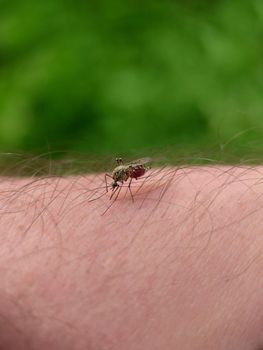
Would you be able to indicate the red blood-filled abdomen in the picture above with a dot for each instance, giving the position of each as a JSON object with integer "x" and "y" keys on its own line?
{"x": 138, "y": 171}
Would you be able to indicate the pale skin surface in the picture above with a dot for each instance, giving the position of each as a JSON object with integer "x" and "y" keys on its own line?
{"x": 180, "y": 268}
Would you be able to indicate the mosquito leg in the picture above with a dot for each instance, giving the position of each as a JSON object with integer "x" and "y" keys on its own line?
{"x": 129, "y": 187}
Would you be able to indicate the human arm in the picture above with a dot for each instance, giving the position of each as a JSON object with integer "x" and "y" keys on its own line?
{"x": 180, "y": 268}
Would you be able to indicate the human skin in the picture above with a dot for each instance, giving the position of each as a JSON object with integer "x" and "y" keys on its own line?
{"x": 178, "y": 268}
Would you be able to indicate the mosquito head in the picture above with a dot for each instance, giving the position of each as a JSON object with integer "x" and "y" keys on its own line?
{"x": 114, "y": 184}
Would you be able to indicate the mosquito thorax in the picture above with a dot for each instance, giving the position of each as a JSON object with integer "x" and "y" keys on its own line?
{"x": 118, "y": 172}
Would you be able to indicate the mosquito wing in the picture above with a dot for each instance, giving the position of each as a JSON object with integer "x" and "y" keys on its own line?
{"x": 142, "y": 161}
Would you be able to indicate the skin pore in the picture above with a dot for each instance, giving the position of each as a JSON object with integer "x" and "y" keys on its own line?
{"x": 178, "y": 268}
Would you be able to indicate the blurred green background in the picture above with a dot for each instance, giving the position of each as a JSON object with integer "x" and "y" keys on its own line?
{"x": 114, "y": 77}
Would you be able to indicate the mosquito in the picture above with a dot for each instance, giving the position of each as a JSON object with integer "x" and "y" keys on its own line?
{"x": 122, "y": 172}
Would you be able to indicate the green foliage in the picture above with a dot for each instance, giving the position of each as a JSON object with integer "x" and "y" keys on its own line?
{"x": 119, "y": 76}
